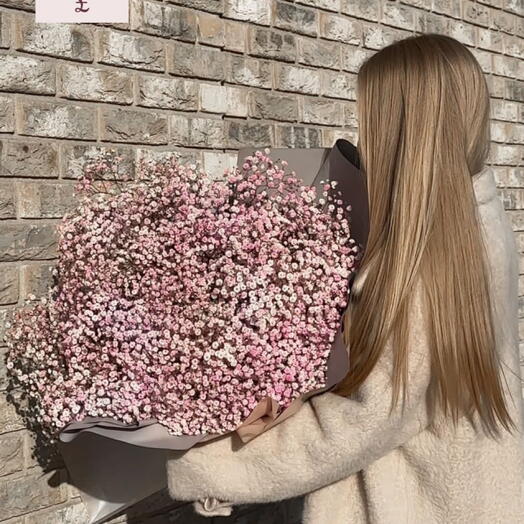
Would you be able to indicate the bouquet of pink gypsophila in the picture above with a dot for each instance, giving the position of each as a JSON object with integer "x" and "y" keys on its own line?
{"x": 185, "y": 299}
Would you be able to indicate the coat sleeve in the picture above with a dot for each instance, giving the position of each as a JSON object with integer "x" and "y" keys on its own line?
{"x": 328, "y": 439}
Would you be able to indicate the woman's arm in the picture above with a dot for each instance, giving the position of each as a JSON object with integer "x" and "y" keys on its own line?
{"x": 328, "y": 439}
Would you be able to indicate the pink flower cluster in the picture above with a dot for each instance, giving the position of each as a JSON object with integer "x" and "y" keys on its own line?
{"x": 185, "y": 299}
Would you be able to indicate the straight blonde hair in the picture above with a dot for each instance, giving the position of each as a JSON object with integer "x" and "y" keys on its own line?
{"x": 423, "y": 110}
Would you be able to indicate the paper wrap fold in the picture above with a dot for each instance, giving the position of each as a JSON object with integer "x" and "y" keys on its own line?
{"x": 113, "y": 464}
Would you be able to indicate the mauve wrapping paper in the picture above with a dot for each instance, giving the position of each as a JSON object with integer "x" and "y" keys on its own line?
{"x": 114, "y": 465}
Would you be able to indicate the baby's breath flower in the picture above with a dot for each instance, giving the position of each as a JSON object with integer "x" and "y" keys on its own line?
{"x": 176, "y": 291}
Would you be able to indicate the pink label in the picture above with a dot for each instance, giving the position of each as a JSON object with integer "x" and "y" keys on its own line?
{"x": 78, "y": 11}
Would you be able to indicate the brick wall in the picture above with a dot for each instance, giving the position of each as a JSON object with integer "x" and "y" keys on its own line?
{"x": 203, "y": 77}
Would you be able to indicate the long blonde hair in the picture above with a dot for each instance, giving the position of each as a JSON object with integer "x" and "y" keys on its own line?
{"x": 423, "y": 110}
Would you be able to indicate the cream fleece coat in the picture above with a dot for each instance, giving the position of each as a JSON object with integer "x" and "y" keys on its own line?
{"x": 358, "y": 465}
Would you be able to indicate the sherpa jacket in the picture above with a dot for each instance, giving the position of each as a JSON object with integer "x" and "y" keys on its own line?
{"x": 358, "y": 465}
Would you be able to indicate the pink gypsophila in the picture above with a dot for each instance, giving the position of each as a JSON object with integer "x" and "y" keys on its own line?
{"x": 185, "y": 299}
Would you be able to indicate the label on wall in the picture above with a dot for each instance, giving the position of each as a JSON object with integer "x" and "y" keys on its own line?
{"x": 78, "y": 11}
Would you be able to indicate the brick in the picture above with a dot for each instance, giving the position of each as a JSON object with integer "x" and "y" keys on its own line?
{"x": 9, "y": 292}
{"x": 294, "y": 18}
{"x": 484, "y": 58}
{"x": 35, "y": 279}
{"x": 505, "y": 110}
{"x": 341, "y": 28}
{"x": 424, "y": 4}
{"x": 5, "y": 315}
{"x": 353, "y": 57}
{"x": 29, "y": 159}
{"x": 11, "y": 453}
{"x": 43, "y": 455}
{"x": 7, "y": 200}
{"x": 7, "y": 115}
{"x": 44, "y": 199}
{"x": 74, "y": 514}
{"x": 72, "y": 41}
{"x": 496, "y": 86}
{"x": 329, "y": 5}
{"x": 24, "y": 494}
{"x": 9, "y": 421}
{"x": 350, "y": 114}
{"x": 465, "y": 33}
{"x": 200, "y": 62}
{"x": 141, "y": 127}
{"x": 211, "y": 29}
{"x": 249, "y": 71}
{"x": 513, "y": 198}
{"x": 506, "y": 154}
{"x": 398, "y": 15}
{"x": 197, "y": 132}
{"x": 28, "y": 5}
{"x": 517, "y": 219}
{"x": 163, "y": 20}
{"x": 514, "y": 89}
{"x": 168, "y": 93}
{"x": 54, "y": 120}
{"x": 26, "y": 75}
{"x": 446, "y": 7}
{"x": 515, "y": 6}
{"x": 339, "y": 85}
{"x": 331, "y": 135}
{"x": 519, "y": 237}
{"x": 3, "y": 369}
{"x": 314, "y": 52}
{"x": 235, "y": 36}
{"x": 216, "y": 163}
{"x": 361, "y": 9}
{"x": 488, "y": 39}
{"x": 505, "y": 65}
{"x": 376, "y": 37}
{"x": 269, "y": 43}
{"x": 26, "y": 241}
{"x": 241, "y": 134}
{"x": 273, "y": 107}
{"x": 322, "y": 111}
{"x": 213, "y": 6}
{"x": 184, "y": 156}
{"x": 137, "y": 52}
{"x": 432, "y": 23}
{"x": 297, "y": 136}
{"x": 506, "y": 132}
{"x": 5, "y": 30}
{"x": 475, "y": 13}
{"x": 512, "y": 45}
{"x": 503, "y": 21}
{"x": 255, "y": 11}
{"x": 508, "y": 177}
{"x": 495, "y": 3}
{"x": 95, "y": 84}
{"x": 297, "y": 79}
{"x": 74, "y": 158}
{"x": 231, "y": 101}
